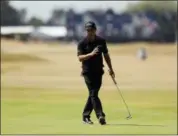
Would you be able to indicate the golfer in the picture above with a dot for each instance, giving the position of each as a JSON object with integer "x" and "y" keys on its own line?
{"x": 90, "y": 51}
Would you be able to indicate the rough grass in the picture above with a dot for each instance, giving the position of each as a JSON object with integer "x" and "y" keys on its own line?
{"x": 9, "y": 57}
{"x": 152, "y": 49}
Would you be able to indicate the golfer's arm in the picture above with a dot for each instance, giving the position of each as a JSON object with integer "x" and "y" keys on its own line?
{"x": 84, "y": 57}
{"x": 108, "y": 60}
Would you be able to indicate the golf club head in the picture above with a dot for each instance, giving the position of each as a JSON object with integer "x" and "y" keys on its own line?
{"x": 129, "y": 117}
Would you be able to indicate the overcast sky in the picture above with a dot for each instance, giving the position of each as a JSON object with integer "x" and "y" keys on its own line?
{"x": 43, "y": 9}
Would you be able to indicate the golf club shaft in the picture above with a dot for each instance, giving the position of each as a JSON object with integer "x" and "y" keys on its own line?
{"x": 121, "y": 94}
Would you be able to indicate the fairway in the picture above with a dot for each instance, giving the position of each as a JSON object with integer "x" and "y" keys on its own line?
{"x": 45, "y": 94}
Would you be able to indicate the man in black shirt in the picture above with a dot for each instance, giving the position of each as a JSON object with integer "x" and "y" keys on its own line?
{"x": 90, "y": 51}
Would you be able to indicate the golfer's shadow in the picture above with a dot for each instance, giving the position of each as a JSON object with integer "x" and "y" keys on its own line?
{"x": 136, "y": 125}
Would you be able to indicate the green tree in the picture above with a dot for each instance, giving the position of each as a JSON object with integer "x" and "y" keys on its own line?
{"x": 22, "y": 14}
{"x": 165, "y": 12}
{"x": 158, "y": 6}
{"x": 58, "y": 17}
{"x": 9, "y": 15}
{"x": 35, "y": 21}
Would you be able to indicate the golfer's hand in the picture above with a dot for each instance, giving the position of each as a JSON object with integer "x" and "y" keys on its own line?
{"x": 95, "y": 51}
{"x": 111, "y": 72}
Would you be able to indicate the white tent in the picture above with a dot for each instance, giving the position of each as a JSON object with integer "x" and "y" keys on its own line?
{"x": 7, "y": 30}
{"x": 51, "y": 31}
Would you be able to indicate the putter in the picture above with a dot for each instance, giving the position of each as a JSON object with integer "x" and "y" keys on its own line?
{"x": 129, "y": 116}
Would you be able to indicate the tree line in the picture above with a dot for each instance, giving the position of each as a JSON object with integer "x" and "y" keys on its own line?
{"x": 12, "y": 16}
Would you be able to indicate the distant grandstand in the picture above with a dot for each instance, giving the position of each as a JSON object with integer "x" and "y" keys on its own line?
{"x": 124, "y": 27}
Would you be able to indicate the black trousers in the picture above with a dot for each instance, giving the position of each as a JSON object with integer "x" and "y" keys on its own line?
{"x": 93, "y": 82}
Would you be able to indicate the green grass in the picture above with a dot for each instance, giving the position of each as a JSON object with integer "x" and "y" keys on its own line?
{"x": 58, "y": 111}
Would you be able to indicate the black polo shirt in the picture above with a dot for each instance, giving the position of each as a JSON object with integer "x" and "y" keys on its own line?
{"x": 95, "y": 63}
